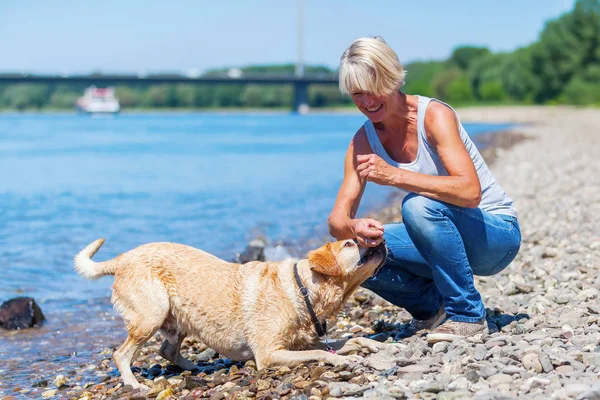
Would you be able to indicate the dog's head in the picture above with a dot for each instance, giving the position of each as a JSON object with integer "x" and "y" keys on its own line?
{"x": 345, "y": 261}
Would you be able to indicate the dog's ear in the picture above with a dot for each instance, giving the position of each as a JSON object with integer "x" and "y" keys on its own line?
{"x": 323, "y": 261}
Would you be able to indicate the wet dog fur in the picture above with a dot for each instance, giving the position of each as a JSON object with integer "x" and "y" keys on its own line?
{"x": 243, "y": 311}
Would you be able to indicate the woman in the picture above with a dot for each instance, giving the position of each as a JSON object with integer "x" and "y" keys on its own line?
{"x": 457, "y": 221}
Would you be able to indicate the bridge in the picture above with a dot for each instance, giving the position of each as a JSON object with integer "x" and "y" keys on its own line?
{"x": 300, "y": 83}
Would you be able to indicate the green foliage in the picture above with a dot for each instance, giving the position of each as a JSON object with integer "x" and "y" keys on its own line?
{"x": 518, "y": 79}
{"x": 581, "y": 92}
{"x": 326, "y": 95}
{"x": 492, "y": 91}
{"x": 567, "y": 47}
{"x": 229, "y": 96}
{"x": 277, "y": 96}
{"x": 256, "y": 96}
{"x": 127, "y": 96}
{"x": 463, "y": 57}
{"x": 204, "y": 96}
{"x": 459, "y": 90}
{"x": 441, "y": 82}
{"x": 419, "y": 77}
{"x": 62, "y": 100}
{"x": 158, "y": 96}
{"x": 24, "y": 96}
{"x": 185, "y": 95}
{"x": 252, "y": 96}
{"x": 486, "y": 69}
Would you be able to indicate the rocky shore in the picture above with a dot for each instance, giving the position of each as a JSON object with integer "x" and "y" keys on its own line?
{"x": 543, "y": 310}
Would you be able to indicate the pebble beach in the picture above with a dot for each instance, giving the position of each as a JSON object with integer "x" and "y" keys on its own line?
{"x": 543, "y": 310}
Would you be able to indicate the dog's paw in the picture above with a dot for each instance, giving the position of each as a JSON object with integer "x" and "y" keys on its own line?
{"x": 370, "y": 345}
{"x": 354, "y": 359}
{"x": 393, "y": 347}
{"x": 336, "y": 360}
{"x": 141, "y": 388}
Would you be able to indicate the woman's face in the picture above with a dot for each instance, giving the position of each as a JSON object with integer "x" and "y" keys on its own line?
{"x": 375, "y": 107}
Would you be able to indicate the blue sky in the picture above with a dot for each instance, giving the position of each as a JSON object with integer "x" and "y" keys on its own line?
{"x": 68, "y": 36}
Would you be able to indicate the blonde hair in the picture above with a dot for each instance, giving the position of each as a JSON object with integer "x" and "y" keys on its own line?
{"x": 370, "y": 65}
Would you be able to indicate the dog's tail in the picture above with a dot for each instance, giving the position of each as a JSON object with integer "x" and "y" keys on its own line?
{"x": 90, "y": 269}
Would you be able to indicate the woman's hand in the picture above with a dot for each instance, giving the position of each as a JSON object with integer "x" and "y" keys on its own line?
{"x": 368, "y": 232}
{"x": 373, "y": 169}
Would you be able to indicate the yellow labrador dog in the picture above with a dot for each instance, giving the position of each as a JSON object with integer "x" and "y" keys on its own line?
{"x": 269, "y": 311}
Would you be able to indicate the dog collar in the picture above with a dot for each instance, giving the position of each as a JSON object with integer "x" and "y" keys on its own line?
{"x": 320, "y": 327}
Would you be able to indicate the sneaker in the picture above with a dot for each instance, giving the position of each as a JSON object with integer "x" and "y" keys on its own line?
{"x": 453, "y": 330}
{"x": 418, "y": 325}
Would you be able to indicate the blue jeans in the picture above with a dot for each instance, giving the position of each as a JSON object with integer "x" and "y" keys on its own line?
{"x": 434, "y": 253}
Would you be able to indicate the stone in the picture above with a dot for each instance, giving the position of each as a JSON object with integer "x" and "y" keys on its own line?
{"x": 531, "y": 362}
{"x": 206, "y": 355}
{"x": 575, "y": 389}
{"x": 60, "y": 380}
{"x": 459, "y": 395}
{"x": 472, "y": 376}
{"x": 512, "y": 369}
{"x": 255, "y": 251}
{"x": 564, "y": 369}
{"x": 499, "y": 379}
{"x": 192, "y": 382}
{"x": 592, "y": 394}
{"x": 21, "y": 313}
{"x": 440, "y": 347}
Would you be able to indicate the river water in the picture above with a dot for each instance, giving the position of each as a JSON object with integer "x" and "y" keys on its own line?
{"x": 208, "y": 180}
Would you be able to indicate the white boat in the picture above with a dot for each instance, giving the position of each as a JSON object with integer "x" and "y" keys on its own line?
{"x": 98, "y": 101}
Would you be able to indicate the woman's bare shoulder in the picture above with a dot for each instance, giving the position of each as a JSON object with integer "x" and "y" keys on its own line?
{"x": 439, "y": 113}
{"x": 360, "y": 142}
{"x": 439, "y": 120}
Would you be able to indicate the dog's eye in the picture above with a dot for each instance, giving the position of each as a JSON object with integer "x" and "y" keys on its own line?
{"x": 348, "y": 244}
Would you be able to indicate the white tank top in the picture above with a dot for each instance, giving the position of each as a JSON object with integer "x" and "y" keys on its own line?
{"x": 493, "y": 198}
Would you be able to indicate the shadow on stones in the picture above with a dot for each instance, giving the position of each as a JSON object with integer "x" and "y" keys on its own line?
{"x": 496, "y": 320}
{"x": 171, "y": 370}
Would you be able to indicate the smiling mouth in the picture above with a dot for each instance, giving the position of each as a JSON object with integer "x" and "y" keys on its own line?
{"x": 374, "y": 109}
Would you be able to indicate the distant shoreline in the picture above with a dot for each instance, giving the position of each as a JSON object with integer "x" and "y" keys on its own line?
{"x": 350, "y": 110}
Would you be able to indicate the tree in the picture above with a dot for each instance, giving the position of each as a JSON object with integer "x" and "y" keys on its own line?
{"x": 566, "y": 47}
{"x": 158, "y": 96}
{"x": 486, "y": 69}
{"x": 442, "y": 81}
{"x": 204, "y": 96}
{"x": 492, "y": 91}
{"x": 252, "y": 96}
{"x": 326, "y": 95}
{"x": 581, "y": 92}
{"x": 185, "y": 95}
{"x": 229, "y": 96}
{"x": 420, "y": 77}
{"x": 463, "y": 57}
{"x": 459, "y": 90}
{"x": 25, "y": 95}
{"x": 62, "y": 99}
{"x": 127, "y": 96}
{"x": 277, "y": 96}
{"x": 518, "y": 79}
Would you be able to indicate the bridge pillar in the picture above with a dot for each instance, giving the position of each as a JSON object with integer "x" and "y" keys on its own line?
{"x": 300, "y": 97}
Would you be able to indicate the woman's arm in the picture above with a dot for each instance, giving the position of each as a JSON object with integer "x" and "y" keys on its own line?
{"x": 461, "y": 187}
{"x": 342, "y": 224}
